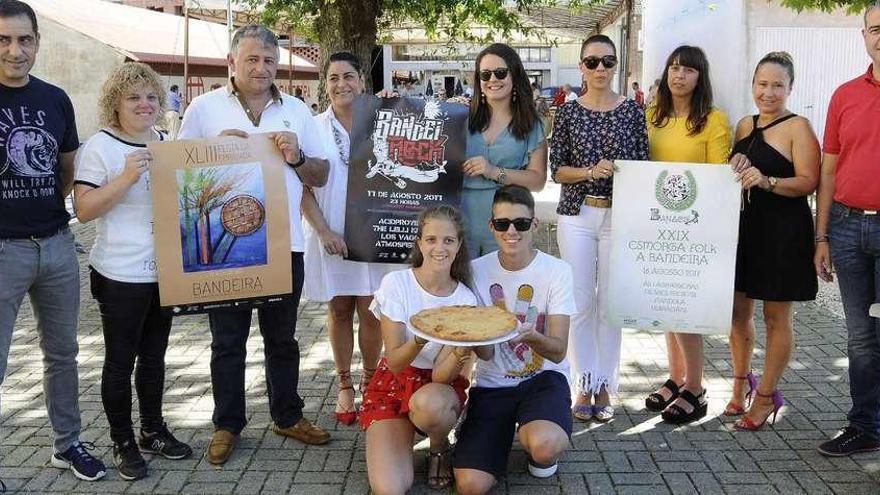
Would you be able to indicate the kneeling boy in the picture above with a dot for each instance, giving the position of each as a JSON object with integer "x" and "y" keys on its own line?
{"x": 521, "y": 382}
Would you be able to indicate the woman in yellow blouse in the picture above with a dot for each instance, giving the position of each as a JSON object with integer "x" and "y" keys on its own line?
{"x": 683, "y": 126}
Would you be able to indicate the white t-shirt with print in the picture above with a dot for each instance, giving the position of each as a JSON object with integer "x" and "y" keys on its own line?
{"x": 400, "y": 297}
{"x": 219, "y": 110}
{"x": 544, "y": 287}
{"x": 123, "y": 249}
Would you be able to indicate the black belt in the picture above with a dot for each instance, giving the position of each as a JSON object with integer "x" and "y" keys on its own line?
{"x": 858, "y": 211}
{"x": 39, "y": 235}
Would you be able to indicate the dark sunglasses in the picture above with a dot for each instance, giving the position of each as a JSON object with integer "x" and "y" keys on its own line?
{"x": 520, "y": 224}
{"x": 608, "y": 61}
{"x": 500, "y": 73}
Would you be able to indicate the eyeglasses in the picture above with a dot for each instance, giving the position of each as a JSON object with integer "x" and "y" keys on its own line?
{"x": 500, "y": 73}
{"x": 520, "y": 224}
{"x": 608, "y": 61}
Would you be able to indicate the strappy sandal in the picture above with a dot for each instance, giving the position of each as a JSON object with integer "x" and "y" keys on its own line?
{"x": 345, "y": 412}
{"x": 439, "y": 469}
{"x": 366, "y": 376}
{"x": 655, "y": 401}
{"x": 676, "y": 414}
{"x": 734, "y": 409}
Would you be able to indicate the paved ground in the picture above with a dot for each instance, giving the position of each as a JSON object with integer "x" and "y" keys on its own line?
{"x": 635, "y": 453}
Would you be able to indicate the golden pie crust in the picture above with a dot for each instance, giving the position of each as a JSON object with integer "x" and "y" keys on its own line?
{"x": 464, "y": 323}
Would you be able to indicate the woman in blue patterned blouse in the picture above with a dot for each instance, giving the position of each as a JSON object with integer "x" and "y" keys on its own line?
{"x": 588, "y": 135}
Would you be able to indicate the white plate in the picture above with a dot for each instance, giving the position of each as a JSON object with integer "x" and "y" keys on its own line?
{"x": 497, "y": 340}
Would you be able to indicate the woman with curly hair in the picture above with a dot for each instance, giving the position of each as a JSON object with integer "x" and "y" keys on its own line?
{"x": 112, "y": 186}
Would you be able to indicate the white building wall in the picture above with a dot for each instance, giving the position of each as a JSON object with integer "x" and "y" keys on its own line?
{"x": 718, "y": 27}
{"x": 78, "y": 65}
{"x": 827, "y": 48}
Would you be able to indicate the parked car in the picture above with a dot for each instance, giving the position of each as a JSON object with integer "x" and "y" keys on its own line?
{"x": 549, "y": 93}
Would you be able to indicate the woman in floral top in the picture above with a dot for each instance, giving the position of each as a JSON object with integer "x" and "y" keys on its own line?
{"x": 588, "y": 135}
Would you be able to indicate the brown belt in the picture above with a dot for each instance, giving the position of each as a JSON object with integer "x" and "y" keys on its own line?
{"x": 597, "y": 202}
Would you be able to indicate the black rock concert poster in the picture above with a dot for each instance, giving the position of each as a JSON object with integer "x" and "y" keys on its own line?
{"x": 406, "y": 156}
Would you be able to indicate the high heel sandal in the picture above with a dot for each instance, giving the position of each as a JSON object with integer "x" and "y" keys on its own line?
{"x": 676, "y": 414}
{"x": 439, "y": 469}
{"x": 748, "y": 424}
{"x": 348, "y": 416}
{"x": 366, "y": 376}
{"x": 583, "y": 412}
{"x": 734, "y": 409}
{"x": 655, "y": 401}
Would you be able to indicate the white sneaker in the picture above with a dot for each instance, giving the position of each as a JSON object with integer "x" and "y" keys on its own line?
{"x": 542, "y": 471}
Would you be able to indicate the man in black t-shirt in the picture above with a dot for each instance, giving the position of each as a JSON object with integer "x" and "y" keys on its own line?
{"x": 38, "y": 142}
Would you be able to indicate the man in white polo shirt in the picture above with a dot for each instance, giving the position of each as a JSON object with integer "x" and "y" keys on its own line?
{"x": 251, "y": 103}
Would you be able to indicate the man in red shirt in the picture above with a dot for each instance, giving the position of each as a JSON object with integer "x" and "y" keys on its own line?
{"x": 638, "y": 94}
{"x": 848, "y": 235}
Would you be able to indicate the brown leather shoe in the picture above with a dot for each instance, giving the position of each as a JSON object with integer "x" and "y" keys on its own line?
{"x": 305, "y": 432}
{"x": 220, "y": 448}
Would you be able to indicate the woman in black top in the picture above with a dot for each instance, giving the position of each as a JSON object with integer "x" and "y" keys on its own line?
{"x": 775, "y": 251}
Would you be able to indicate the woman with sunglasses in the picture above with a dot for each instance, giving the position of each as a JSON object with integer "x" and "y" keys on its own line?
{"x": 775, "y": 251}
{"x": 347, "y": 285}
{"x": 588, "y": 135}
{"x": 684, "y": 127}
{"x": 505, "y": 142}
{"x": 418, "y": 386}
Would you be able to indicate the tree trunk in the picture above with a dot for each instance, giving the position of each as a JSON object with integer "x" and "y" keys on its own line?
{"x": 205, "y": 239}
{"x": 347, "y": 26}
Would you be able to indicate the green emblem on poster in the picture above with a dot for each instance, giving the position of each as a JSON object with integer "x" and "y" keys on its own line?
{"x": 676, "y": 192}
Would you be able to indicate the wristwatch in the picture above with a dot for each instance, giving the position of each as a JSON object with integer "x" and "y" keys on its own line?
{"x": 302, "y": 159}
{"x": 502, "y": 174}
{"x": 772, "y": 183}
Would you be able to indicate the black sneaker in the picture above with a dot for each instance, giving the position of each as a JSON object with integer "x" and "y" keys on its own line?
{"x": 163, "y": 443}
{"x": 129, "y": 461}
{"x": 77, "y": 459}
{"x": 849, "y": 441}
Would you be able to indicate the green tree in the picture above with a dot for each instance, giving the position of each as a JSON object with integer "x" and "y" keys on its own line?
{"x": 852, "y": 6}
{"x": 356, "y": 25}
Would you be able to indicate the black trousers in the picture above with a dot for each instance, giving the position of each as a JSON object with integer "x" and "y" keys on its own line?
{"x": 135, "y": 331}
{"x": 229, "y": 330}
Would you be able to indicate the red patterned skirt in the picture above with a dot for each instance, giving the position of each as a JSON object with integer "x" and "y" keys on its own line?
{"x": 387, "y": 395}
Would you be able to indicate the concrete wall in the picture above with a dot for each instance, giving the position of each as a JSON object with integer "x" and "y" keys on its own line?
{"x": 77, "y": 64}
{"x": 719, "y": 28}
{"x": 728, "y": 31}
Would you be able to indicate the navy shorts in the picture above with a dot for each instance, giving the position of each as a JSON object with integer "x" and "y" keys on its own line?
{"x": 486, "y": 435}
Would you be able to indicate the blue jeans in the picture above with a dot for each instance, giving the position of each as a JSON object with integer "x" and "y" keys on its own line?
{"x": 855, "y": 253}
{"x": 229, "y": 331}
{"x": 47, "y": 270}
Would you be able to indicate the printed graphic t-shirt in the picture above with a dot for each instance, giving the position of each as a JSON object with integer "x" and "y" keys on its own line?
{"x": 400, "y": 296}
{"x": 544, "y": 287}
{"x": 36, "y": 125}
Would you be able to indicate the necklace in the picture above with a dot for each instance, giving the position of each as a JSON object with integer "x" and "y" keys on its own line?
{"x": 344, "y": 151}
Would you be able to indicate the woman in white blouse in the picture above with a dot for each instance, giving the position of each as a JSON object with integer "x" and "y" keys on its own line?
{"x": 348, "y": 286}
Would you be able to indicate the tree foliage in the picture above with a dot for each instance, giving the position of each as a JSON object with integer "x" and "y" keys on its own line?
{"x": 851, "y": 6}
{"x": 356, "y": 25}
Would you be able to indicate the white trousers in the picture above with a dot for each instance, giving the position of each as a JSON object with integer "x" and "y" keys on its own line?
{"x": 593, "y": 344}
